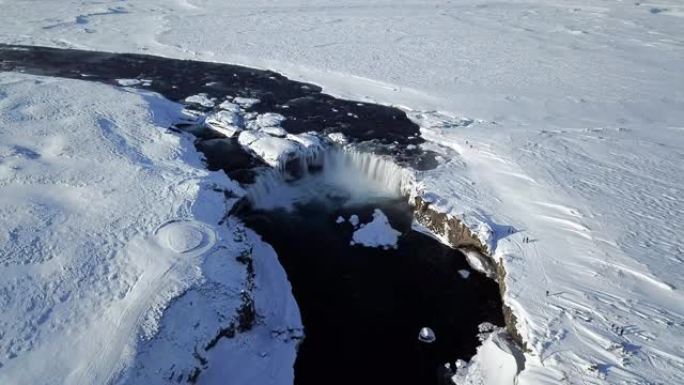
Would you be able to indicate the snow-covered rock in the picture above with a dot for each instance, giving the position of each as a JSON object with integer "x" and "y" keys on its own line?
{"x": 278, "y": 132}
{"x": 269, "y": 119}
{"x": 245, "y": 102}
{"x": 274, "y": 151}
{"x": 225, "y": 122}
{"x": 228, "y": 105}
{"x": 277, "y": 151}
{"x": 200, "y": 100}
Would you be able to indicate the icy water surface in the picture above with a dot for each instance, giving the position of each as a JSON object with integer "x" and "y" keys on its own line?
{"x": 363, "y": 307}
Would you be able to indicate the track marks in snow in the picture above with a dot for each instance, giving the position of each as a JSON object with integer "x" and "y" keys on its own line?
{"x": 645, "y": 277}
{"x": 569, "y": 211}
{"x": 83, "y": 20}
{"x": 569, "y": 225}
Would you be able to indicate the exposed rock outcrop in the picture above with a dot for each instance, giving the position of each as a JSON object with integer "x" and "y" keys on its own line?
{"x": 458, "y": 235}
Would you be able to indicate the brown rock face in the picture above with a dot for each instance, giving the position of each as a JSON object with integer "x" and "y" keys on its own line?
{"x": 459, "y": 235}
{"x": 509, "y": 317}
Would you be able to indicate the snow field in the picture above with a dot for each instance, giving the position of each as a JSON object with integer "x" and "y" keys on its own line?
{"x": 110, "y": 224}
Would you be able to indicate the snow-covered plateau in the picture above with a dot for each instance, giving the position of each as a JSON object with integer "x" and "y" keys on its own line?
{"x": 560, "y": 133}
{"x": 112, "y": 249}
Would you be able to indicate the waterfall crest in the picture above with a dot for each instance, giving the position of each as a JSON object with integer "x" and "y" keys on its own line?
{"x": 332, "y": 174}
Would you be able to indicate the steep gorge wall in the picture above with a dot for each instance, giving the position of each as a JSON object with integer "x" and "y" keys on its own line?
{"x": 457, "y": 235}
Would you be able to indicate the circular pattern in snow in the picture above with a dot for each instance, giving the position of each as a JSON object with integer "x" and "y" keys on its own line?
{"x": 183, "y": 236}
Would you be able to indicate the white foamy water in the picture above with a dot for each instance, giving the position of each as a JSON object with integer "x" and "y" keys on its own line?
{"x": 342, "y": 175}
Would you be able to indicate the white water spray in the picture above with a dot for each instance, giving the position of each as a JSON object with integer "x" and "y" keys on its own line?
{"x": 342, "y": 175}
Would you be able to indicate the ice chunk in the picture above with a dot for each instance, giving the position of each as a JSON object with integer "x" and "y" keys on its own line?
{"x": 201, "y": 100}
{"x": 338, "y": 137}
{"x": 245, "y": 102}
{"x": 274, "y": 151}
{"x": 308, "y": 141}
{"x": 269, "y": 119}
{"x": 339, "y": 220}
{"x": 275, "y": 131}
{"x": 227, "y": 123}
{"x": 354, "y": 220}
{"x": 464, "y": 273}
{"x": 377, "y": 233}
{"x": 230, "y": 106}
{"x": 426, "y": 335}
{"x": 128, "y": 82}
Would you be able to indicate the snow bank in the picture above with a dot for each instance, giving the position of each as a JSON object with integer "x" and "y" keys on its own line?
{"x": 376, "y": 233}
{"x": 494, "y": 364}
{"x": 111, "y": 245}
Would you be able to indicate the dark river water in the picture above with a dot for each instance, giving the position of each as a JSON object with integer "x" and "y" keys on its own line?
{"x": 362, "y": 307}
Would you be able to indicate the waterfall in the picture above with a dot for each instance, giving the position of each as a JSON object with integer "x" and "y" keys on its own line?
{"x": 330, "y": 174}
{"x": 376, "y": 169}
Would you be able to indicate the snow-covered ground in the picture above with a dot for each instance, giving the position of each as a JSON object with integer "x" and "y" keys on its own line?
{"x": 576, "y": 64}
{"x": 601, "y": 208}
{"x": 106, "y": 218}
{"x": 562, "y": 122}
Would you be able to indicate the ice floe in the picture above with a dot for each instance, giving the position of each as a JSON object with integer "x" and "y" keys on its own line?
{"x": 376, "y": 233}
